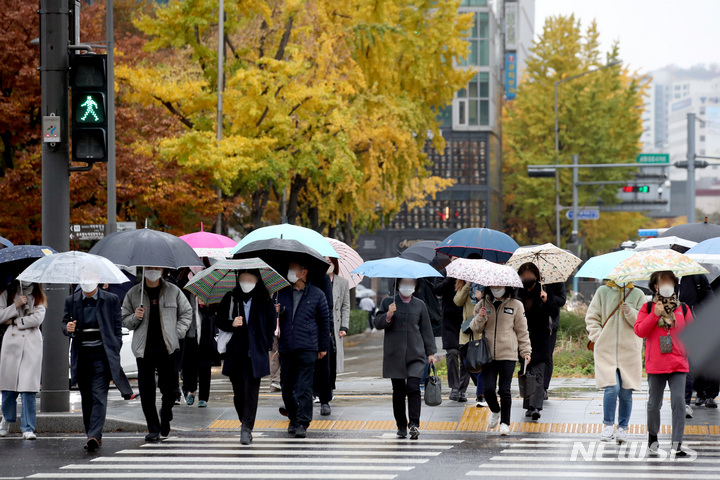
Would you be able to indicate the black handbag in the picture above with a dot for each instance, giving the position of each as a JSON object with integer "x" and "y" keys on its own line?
{"x": 526, "y": 383}
{"x": 433, "y": 388}
{"x": 477, "y": 354}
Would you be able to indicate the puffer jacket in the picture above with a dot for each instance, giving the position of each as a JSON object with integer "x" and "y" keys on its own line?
{"x": 505, "y": 328}
{"x": 309, "y": 327}
{"x": 176, "y": 314}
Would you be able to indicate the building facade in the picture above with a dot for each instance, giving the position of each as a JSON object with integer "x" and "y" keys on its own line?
{"x": 500, "y": 39}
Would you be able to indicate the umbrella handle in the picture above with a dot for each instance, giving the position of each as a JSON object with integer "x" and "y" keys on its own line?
{"x": 142, "y": 283}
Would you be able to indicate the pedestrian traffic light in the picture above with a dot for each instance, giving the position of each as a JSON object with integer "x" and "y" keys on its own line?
{"x": 89, "y": 106}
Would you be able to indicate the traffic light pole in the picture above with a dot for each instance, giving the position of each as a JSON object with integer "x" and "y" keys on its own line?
{"x": 691, "y": 167}
{"x": 54, "y": 63}
{"x": 111, "y": 169}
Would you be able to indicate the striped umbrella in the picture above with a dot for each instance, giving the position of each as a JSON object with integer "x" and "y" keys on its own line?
{"x": 349, "y": 260}
{"x": 213, "y": 283}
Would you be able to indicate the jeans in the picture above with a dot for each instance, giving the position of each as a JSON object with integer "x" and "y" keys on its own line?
{"x": 29, "y": 409}
{"x": 610, "y": 400}
{"x": 93, "y": 378}
{"x": 296, "y": 373}
{"x": 409, "y": 388}
{"x": 246, "y": 390}
{"x": 167, "y": 371}
{"x": 656, "y": 388}
{"x": 500, "y": 373}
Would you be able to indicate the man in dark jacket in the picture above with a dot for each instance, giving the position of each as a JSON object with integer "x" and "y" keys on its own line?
{"x": 92, "y": 319}
{"x": 452, "y": 318}
{"x": 304, "y": 337}
{"x": 695, "y": 291}
{"x": 557, "y": 292}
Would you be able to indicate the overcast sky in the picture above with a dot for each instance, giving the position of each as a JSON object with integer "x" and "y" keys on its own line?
{"x": 652, "y": 33}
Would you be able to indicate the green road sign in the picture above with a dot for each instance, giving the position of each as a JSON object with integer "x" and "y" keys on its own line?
{"x": 653, "y": 158}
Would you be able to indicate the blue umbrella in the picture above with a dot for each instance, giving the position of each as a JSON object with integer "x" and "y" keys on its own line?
{"x": 483, "y": 243}
{"x": 16, "y": 258}
{"x": 396, "y": 267}
{"x": 4, "y": 242}
{"x": 599, "y": 267}
{"x": 309, "y": 238}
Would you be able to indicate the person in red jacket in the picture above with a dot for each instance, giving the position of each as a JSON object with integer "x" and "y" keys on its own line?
{"x": 660, "y": 323}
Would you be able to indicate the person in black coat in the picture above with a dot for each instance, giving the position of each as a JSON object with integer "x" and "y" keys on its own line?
{"x": 304, "y": 338}
{"x": 93, "y": 320}
{"x": 695, "y": 291}
{"x": 540, "y": 309}
{"x": 558, "y": 293}
{"x": 249, "y": 314}
{"x": 200, "y": 354}
{"x": 452, "y": 319}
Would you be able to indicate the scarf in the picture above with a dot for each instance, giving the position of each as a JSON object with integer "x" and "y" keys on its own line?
{"x": 622, "y": 291}
{"x": 670, "y": 304}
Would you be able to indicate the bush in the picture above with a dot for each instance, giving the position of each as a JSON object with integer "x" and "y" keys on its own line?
{"x": 358, "y": 322}
{"x": 572, "y": 358}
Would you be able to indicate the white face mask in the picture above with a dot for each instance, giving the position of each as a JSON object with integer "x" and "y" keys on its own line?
{"x": 26, "y": 284}
{"x": 666, "y": 290}
{"x": 292, "y": 276}
{"x": 153, "y": 275}
{"x": 406, "y": 290}
{"x": 88, "y": 287}
{"x": 247, "y": 287}
{"x": 497, "y": 292}
{"x": 331, "y": 269}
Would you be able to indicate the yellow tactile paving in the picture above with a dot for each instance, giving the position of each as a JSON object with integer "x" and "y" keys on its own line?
{"x": 472, "y": 420}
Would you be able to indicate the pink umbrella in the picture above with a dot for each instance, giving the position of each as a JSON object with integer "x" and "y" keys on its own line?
{"x": 207, "y": 244}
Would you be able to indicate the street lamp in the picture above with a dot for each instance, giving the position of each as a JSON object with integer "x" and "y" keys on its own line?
{"x": 557, "y": 142}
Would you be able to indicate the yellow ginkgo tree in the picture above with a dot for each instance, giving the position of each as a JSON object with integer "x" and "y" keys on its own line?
{"x": 329, "y": 105}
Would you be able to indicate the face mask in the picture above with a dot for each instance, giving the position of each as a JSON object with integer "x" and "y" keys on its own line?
{"x": 247, "y": 287}
{"x": 331, "y": 269}
{"x": 406, "y": 290}
{"x": 292, "y": 276}
{"x": 26, "y": 284}
{"x": 666, "y": 290}
{"x": 498, "y": 292}
{"x": 153, "y": 275}
{"x": 528, "y": 284}
{"x": 88, "y": 287}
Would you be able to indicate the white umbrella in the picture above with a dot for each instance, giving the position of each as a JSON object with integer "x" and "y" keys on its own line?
{"x": 661, "y": 243}
{"x": 361, "y": 291}
{"x": 73, "y": 267}
{"x": 483, "y": 272}
{"x": 555, "y": 264}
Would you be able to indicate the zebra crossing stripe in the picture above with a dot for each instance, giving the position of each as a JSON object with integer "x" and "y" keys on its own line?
{"x": 238, "y": 451}
{"x": 213, "y": 459}
{"x": 401, "y": 446}
{"x": 170, "y": 466}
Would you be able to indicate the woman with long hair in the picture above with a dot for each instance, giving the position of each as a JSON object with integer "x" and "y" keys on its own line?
{"x": 22, "y": 309}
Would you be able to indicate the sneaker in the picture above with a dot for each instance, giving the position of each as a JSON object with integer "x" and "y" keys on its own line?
{"x": 454, "y": 395}
{"x": 678, "y": 451}
{"x": 608, "y": 433}
{"x": 245, "y": 436}
{"x": 536, "y": 415}
{"x": 292, "y": 428}
{"x": 4, "y": 428}
{"x": 29, "y": 436}
{"x": 152, "y": 437}
{"x": 480, "y": 402}
{"x": 275, "y": 387}
{"x": 301, "y": 431}
{"x": 529, "y": 412}
{"x": 710, "y": 403}
{"x": 699, "y": 401}
{"x": 401, "y": 433}
{"x": 177, "y": 399}
{"x": 545, "y": 395}
{"x": 653, "y": 444}
{"x": 325, "y": 410}
{"x": 621, "y": 435}
{"x": 688, "y": 411}
{"x": 494, "y": 419}
{"x": 190, "y": 399}
{"x": 462, "y": 398}
{"x": 414, "y": 432}
{"x": 92, "y": 444}
{"x": 202, "y": 404}
{"x": 316, "y": 400}
{"x": 283, "y": 411}
{"x": 504, "y": 429}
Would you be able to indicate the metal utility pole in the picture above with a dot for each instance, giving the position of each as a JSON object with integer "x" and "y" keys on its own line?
{"x": 691, "y": 167}
{"x": 576, "y": 179}
{"x": 111, "y": 169}
{"x": 54, "y": 65}
{"x": 221, "y": 55}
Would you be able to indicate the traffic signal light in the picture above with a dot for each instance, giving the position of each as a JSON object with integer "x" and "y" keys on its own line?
{"x": 541, "y": 172}
{"x": 89, "y": 106}
{"x": 636, "y": 189}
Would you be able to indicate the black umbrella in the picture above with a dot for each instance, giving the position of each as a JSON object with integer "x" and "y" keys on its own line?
{"x": 16, "y": 258}
{"x": 279, "y": 252}
{"x": 4, "y": 242}
{"x": 146, "y": 248}
{"x": 421, "y": 251}
{"x": 701, "y": 339}
{"x": 695, "y": 232}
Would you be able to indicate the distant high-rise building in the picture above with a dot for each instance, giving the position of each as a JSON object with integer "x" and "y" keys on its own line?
{"x": 500, "y": 40}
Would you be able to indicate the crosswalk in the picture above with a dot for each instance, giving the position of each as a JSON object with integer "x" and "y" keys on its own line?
{"x": 587, "y": 457}
{"x": 380, "y": 457}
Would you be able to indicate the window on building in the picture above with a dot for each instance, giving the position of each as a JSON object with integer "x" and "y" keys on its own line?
{"x": 473, "y": 3}
{"x": 702, "y": 138}
{"x": 473, "y": 103}
{"x": 702, "y": 110}
{"x": 479, "y": 39}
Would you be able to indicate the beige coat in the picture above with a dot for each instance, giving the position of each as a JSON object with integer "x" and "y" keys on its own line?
{"x": 341, "y": 317}
{"x": 462, "y": 299}
{"x": 22, "y": 346}
{"x": 505, "y": 328}
{"x": 616, "y": 345}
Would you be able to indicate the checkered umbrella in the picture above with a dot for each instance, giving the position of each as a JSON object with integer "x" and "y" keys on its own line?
{"x": 213, "y": 283}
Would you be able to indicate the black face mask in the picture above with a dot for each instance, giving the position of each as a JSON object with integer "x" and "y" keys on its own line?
{"x": 529, "y": 284}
